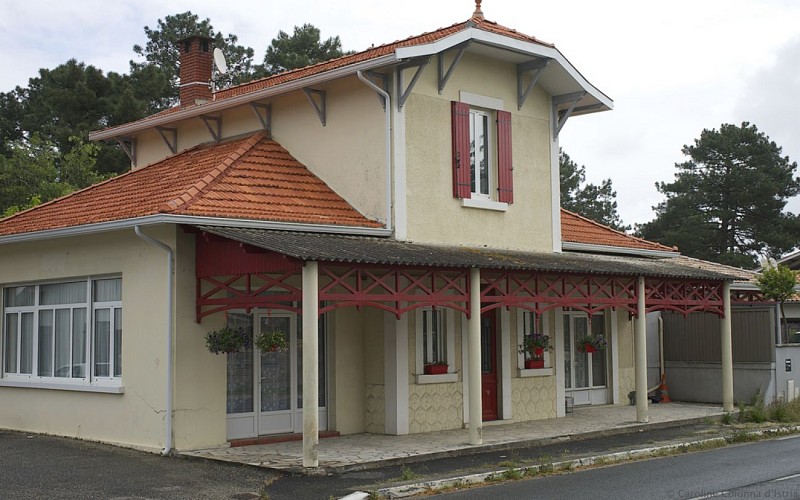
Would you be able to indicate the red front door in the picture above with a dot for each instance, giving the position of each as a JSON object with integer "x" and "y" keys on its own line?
{"x": 489, "y": 390}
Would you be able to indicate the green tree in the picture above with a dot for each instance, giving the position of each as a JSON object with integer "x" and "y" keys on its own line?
{"x": 589, "y": 200}
{"x": 726, "y": 203}
{"x": 777, "y": 282}
{"x": 301, "y": 49}
{"x": 161, "y": 54}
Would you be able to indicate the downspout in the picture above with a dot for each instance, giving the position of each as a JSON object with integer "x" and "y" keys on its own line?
{"x": 168, "y": 430}
{"x": 388, "y": 128}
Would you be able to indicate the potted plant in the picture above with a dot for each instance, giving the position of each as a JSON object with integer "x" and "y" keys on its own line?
{"x": 592, "y": 343}
{"x": 272, "y": 341}
{"x": 436, "y": 368}
{"x": 227, "y": 340}
{"x": 533, "y": 347}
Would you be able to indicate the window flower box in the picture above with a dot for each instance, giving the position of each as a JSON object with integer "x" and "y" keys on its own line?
{"x": 435, "y": 369}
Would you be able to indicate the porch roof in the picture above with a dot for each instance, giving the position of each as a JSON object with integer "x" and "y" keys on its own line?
{"x": 386, "y": 251}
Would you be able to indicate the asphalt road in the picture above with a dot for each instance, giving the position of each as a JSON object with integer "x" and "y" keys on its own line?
{"x": 34, "y": 466}
{"x": 766, "y": 469}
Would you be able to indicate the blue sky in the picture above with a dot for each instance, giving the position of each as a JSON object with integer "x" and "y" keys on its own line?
{"x": 672, "y": 68}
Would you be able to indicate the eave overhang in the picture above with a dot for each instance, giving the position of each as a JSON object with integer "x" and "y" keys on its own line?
{"x": 150, "y": 220}
{"x": 557, "y": 79}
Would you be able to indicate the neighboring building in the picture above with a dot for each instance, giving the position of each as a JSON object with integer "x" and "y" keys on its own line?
{"x": 386, "y": 210}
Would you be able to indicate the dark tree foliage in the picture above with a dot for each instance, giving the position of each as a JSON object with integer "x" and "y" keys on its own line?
{"x": 589, "y": 200}
{"x": 303, "y": 48}
{"x": 161, "y": 54}
{"x": 726, "y": 202}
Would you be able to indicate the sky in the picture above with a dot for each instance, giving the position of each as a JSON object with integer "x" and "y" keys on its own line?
{"x": 672, "y": 68}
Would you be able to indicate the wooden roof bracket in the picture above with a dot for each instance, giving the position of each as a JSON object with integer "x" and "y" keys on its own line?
{"x": 418, "y": 63}
{"x": 444, "y": 76}
{"x": 264, "y": 114}
{"x": 216, "y": 129}
{"x": 128, "y": 145}
{"x": 172, "y": 140}
{"x": 560, "y": 117}
{"x": 535, "y": 68}
{"x": 382, "y": 81}
{"x": 318, "y": 104}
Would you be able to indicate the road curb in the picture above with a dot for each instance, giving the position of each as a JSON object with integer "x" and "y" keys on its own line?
{"x": 408, "y": 490}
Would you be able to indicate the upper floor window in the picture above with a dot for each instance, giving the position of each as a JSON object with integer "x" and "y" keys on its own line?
{"x": 69, "y": 331}
{"x": 481, "y": 153}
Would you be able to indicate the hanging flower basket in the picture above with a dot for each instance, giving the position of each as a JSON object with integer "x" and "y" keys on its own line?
{"x": 435, "y": 369}
{"x": 592, "y": 343}
{"x": 227, "y": 340}
{"x": 272, "y": 341}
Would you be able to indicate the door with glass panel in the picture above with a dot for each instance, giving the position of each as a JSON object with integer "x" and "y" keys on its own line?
{"x": 265, "y": 389}
{"x": 585, "y": 373}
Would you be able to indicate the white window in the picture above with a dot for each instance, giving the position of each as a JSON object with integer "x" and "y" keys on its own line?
{"x": 68, "y": 332}
{"x": 481, "y": 179}
{"x": 435, "y": 339}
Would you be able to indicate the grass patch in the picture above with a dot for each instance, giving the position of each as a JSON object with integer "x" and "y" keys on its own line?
{"x": 406, "y": 474}
{"x": 513, "y": 474}
{"x": 778, "y": 411}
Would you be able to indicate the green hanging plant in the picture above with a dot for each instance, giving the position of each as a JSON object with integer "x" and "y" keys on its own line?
{"x": 272, "y": 341}
{"x": 227, "y": 340}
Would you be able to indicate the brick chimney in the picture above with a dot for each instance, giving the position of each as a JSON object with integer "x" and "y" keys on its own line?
{"x": 195, "y": 70}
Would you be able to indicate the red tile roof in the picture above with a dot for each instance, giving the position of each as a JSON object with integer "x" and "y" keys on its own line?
{"x": 246, "y": 178}
{"x": 578, "y": 229}
{"x": 366, "y": 55}
{"x": 375, "y": 52}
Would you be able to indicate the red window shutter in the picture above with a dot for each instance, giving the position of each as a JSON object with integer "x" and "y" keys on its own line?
{"x": 461, "y": 170}
{"x": 505, "y": 184}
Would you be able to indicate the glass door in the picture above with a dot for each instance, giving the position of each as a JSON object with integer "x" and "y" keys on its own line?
{"x": 265, "y": 389}
{"x": 585, "y": 373}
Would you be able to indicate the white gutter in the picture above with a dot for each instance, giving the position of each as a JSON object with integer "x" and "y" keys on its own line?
{"x": 588, "y": 247}
{"x": 214, "y": 106}
{"x": 150, "y": 220}
{"x": 170, "y": 334}
{"x": 387, "y": 114}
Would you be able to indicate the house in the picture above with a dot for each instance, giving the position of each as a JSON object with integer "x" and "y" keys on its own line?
{"x": 386, "y": 211}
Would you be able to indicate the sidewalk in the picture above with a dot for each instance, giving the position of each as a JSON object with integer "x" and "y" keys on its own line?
{"x": 365, "y": 451}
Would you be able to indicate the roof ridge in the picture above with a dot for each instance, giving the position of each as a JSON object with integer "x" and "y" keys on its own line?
{"x": 621, "y": 233}
{"x": 201, "y": 186}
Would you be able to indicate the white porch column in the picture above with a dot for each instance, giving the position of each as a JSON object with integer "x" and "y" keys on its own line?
{"x": 474, "y": 368}
{"x": 640, "y": 358}
{"x": 727, "y": 349}
{"x": 395, "y": 373}
{"x": 310, "y": 364}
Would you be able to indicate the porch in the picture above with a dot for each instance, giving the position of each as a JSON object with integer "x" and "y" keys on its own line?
{"x": 363, "y": 451}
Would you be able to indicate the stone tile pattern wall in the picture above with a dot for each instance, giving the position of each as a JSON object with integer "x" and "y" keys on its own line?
{"x": 376, "y": 409}
{"x": 533, "y": 398}
{"x": 435, "y": 407}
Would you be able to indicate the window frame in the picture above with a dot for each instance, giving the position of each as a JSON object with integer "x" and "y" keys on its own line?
{"x": 89, "y": 381}
{"x": 498, "y": 152}
{"x": 447, "y": 320}
{"x": 523, "y": 323}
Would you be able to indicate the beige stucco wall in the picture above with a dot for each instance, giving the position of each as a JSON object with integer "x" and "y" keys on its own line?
{"x": 625, "y": 350}
{"x": 429, "y": 196}
{"x": 533, "y": 398}
{"x": 135, "y": 418}
{"x": 348, "y": 153}
{"x": 346, "y": 397}
{"x": 200, "y": 376}
{"x": 375, "y": 417}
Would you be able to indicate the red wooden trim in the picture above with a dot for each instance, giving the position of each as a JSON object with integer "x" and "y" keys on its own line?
{"x": 684, "y": 296}
{"x": 462, "y": 186}
{"x": 505, "y": 184}
{"x": 395, "y": 290}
